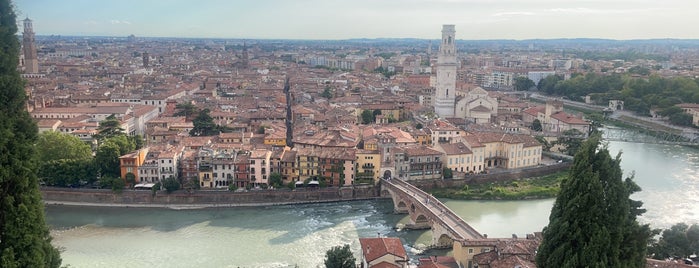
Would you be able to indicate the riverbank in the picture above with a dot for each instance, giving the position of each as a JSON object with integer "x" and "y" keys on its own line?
{"x": 530, "y": 188}
{"x": 212, "y": 198}
{"x": 203, "y": 199}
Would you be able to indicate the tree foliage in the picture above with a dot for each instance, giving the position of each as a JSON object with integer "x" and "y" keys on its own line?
{"x": 53, "y": 145}
{"x": 186, "y": 109}
{"x": 593, "y": 221}
{"x": 339, "y": 257}
{"x": 171, "y": 184}
{"x": 639, "y": 94}
{"x": 447, "y": 173}
{"x": 204, "y": 125}
{"x": 24, "y": 236}
{"x": 68, "y": 172}
{"x": 571, "y": 139}
{"x": 107, "y": 159}
{"x": 523, "y": 83}
{"x": 367, "y": 117}
{"x": 536, "y": 125}
{"x": 681, "y": 240}
{"x": 327, "y": 93}
{"x": 111, "y": 182}
{"x": 109, "y": 127}
{"x": 275, "y": 179}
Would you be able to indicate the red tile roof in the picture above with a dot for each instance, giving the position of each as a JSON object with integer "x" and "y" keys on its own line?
{"x": 374, "y": 248}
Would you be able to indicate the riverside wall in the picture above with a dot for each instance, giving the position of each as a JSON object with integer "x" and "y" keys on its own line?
{"x": 213, "y": 198}
{"x": 459, "y": 182}
{"x": 202, "y": 198}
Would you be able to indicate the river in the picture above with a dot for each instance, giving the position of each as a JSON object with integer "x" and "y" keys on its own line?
{"x": 299, "y": 235}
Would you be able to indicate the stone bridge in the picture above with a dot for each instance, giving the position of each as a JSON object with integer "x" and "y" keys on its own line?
{"x": 427, "y": 212}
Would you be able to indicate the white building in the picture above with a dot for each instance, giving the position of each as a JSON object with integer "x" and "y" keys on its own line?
{"x": 445, "y": 93}
{"x": 538, "y": 75}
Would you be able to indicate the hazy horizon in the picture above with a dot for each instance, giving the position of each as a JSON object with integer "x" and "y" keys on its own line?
{"x": 365, "y": 19}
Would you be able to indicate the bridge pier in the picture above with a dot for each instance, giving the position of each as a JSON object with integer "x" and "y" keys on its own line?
{"x": 426, "y": 212}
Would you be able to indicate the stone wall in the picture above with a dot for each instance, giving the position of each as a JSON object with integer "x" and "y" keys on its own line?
{"x": 268, "y": 197}
{"x": 206, "y": 198}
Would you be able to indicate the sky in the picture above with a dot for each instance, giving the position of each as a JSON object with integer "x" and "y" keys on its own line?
{"x": 345, "y": 19}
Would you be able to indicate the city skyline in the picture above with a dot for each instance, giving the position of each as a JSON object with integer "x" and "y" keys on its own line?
{"x": 318, "y": 19}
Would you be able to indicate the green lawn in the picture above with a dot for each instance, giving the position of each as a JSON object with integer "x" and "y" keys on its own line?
{"x": 531, "y": 188}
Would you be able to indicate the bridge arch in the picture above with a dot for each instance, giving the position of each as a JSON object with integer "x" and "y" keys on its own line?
{"x": 402, "y": 206}
{"x": 421, "y": 219}
{"x": 444, "y": 240}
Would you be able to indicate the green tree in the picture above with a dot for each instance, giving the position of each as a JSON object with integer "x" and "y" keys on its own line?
{"x": 593, "y": 221}
{"x": 339, "y": 257}
{"x": 545, "y": 144}
{"x": 53, "y": 145}
{"x": 681, "y": 119}
{"x": 186, "y": 109}
{"x": 68, "y": 172}
{"x": 680, "y": 240}
{"x": 171, "y": 184}
{"x": 327, "y": 93}
{"x": 107, "y": 159}
{"x": 536, "y": 125}
{"x": 447, "y": 173}
{"x": 275, "y": 179}
{"x": 110, "y": 182}
{"x": 571, "y": 139}
{"x": 137, "y": 141}
{"x": 109, "y": 127}
{"x": 418, "y": 126}
{"x": 367, "y": 117}
{"x": 124, "y": 143}
{"x": 204, "y": 125}
{"x": 523, "y": 83}
{"x": 24, "y": 236}
{"x": 548, "y": 84}
{"x": 130, "y": 179}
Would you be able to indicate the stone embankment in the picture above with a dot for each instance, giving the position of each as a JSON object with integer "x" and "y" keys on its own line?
{"x": 203, "y": 199}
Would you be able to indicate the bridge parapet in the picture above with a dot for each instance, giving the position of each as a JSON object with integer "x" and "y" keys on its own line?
{"x": 444, "y": 221}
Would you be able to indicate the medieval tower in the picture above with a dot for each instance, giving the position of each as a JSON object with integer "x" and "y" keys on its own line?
{"x": 445, "y": 93}
{"x": 31, "y": 63}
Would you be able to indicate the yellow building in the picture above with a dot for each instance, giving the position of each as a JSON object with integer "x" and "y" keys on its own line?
{"x": 458, "y": 157}
{"x": 368, "y": 166}
{"x": 504, "y": 150}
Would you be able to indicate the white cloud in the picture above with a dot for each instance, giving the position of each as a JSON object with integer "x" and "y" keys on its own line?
{"x": 114, "y": 22}
{"x": 513, "y": 13}
{"x": 582, "y": 10}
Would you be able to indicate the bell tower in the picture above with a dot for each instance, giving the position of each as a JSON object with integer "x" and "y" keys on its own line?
{"x": 445, "y": 93}
{"x": 31, "y": 62}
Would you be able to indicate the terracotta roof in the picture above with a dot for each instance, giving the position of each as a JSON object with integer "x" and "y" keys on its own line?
{"x": 534, "y": 111}
{"x": 512, "y": 261}
{"x": 438, "y": 262}
{"x": 481, "y": 108}
{"x": 688, "y": 105}
{"x": 374, "y": 248}
{"x": 455, "y": 148}
{"x": 569, "y": 119}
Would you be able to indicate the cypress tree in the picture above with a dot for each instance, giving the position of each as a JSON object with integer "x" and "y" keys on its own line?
{"x": 24, "y": 237}
{"x": 593, "y": 222}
